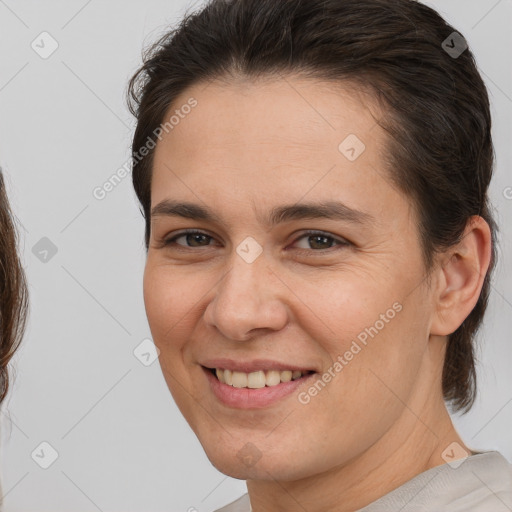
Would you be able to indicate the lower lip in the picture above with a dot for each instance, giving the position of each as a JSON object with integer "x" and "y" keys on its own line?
{"x": 247, "y": 398}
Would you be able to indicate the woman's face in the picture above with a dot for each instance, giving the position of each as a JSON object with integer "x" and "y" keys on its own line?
{"x": 275, "y": 282}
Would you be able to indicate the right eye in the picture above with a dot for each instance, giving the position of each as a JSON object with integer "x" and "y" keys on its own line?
{"x": 192, "y": 237}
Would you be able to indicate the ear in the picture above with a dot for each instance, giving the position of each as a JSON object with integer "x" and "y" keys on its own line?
{"x": 461, "y": 277}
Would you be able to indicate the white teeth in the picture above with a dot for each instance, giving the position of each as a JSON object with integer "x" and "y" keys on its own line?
{"x": 256, "y": 380}
{"x": 286, "y": 376}
{"x": 273, "y": 378}
{"x": 239, "y": 380}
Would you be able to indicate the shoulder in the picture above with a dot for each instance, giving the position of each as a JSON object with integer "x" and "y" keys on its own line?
{"x": 481, "y": 483}
{"x": 487, "y": 484}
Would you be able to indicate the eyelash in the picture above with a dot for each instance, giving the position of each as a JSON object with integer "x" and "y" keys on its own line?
{"x": 340, "y": 242}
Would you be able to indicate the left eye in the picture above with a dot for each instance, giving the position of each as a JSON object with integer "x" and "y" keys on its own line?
{"x": 319, "y": 240}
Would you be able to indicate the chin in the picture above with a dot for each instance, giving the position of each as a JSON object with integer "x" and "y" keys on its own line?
{"x": 248, "y": 463}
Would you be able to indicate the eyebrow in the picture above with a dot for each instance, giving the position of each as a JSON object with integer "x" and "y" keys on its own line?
{"x": 328, "y": 210}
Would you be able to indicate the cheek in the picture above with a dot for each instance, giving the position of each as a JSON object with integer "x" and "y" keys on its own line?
{"x": 381, "y": 358}
{"x": 168, "y": 302}
{"x": 348, "y": 307}
{"x": 377, "y": 330}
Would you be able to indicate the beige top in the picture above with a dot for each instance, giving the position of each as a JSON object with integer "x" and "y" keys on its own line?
{"x": 482, "y": 483}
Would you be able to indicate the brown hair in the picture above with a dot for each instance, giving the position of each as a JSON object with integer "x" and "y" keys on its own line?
{"x": 440, "y": 151}
{"x": 13, "y": 291}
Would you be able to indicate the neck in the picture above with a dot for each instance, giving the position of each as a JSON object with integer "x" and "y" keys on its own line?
{"x": 413, "y": 445}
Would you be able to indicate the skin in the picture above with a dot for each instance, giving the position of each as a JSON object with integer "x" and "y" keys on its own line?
{"x": 246, "y": 148}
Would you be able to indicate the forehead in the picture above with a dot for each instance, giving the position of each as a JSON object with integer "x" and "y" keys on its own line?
{"x": 269, "y": 122}
{"x": 289, "y": 110}
{"x": 268, "y": 139}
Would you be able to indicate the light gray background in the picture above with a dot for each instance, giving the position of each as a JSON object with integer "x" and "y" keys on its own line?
{"x": 64, "y": 130}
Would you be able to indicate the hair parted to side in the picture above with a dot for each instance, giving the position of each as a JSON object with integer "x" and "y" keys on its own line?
{"x": 13, "y": 291}
{"x": 439, "y": 152}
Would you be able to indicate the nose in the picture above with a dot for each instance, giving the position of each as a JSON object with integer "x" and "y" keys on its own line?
{"x": 248, "y": 301}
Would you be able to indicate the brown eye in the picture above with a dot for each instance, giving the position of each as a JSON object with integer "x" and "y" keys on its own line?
{"x": 192, "y": 239}
{"x": 316, "y": 241}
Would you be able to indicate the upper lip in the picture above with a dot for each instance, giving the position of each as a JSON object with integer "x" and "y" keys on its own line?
{"x": 253, "y": 365}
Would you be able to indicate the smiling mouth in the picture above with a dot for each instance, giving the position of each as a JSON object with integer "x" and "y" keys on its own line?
{"x": 258, "y": 379}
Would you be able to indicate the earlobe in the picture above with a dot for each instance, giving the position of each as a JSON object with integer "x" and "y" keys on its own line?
{"x": 461, "y": 277}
